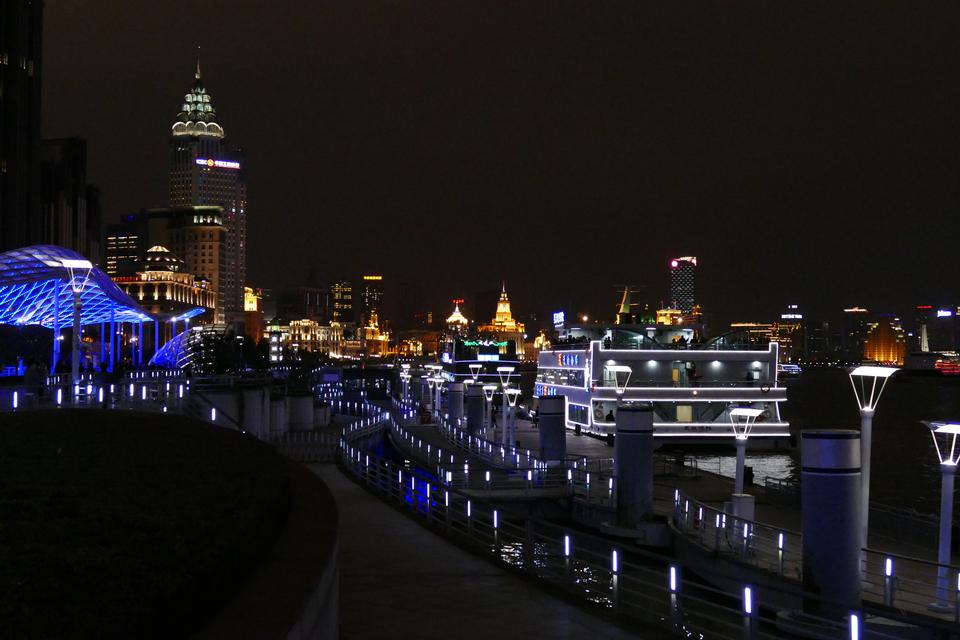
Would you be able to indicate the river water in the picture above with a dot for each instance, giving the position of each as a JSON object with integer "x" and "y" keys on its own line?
{"x": 904, "y": 465}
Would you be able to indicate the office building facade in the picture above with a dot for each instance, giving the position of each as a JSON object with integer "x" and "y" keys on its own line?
{"x": 206, "y": 171}
{"x": 682, "y": 280}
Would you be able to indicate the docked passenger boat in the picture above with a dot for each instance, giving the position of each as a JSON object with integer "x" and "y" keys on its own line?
{"x": 691, "y": 384}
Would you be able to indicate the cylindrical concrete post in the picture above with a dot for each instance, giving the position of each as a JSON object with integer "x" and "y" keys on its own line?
{"x": 455, "y": 401}
{"x": 830, "y": 495}
{"x": 633, "y": 463}
{"x": 279, "y": 423}
{"x": 301, "y": 413}
{"x": 474, "y": 408}
{"x": 553, "y": 436}
{"x": 416, "y": 388}
{"x": 252, "y": 406}
{"x": 741, "y": 461}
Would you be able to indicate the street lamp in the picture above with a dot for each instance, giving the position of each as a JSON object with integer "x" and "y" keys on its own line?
{"x": 512, "y": 396}
{"x": 504, "y": 373}
{"x": 945, "y": 441}
{"x": 438, "y": 386}
{"x": 621, "y": 376}
{"x": 864, "y": 382}
{"x": 475, "y": 370}
{"x": 742, "y": 420}
{"x": 488, "y": 391}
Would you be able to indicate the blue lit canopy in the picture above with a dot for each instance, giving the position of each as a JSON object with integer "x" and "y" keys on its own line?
{"x": 37, "y": 284}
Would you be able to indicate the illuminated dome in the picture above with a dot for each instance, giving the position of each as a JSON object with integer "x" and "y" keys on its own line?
{"x": 197, "y": 116}
{"x": 159, "y": 258}
{"x": 456, "y": 317}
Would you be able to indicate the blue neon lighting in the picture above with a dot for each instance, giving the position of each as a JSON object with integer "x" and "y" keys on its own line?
{"x": 35, "y": 286}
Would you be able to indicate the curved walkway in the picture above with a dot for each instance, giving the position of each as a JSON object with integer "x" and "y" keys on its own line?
{"x": 398, "y": 580}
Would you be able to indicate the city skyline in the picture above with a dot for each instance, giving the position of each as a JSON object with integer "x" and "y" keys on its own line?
{"x": 730, "y": 147}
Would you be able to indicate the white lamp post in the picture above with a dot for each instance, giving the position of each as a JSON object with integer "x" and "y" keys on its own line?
{"x": 504, "y": 373}
{"x": 438, "y": 386}
{"x": 512, "y": 396}
{"x": 945, "y": 441}
{"x": 742, "y": 420}
{"x": 864, "y": 381}
{"x": 475, "y": 370}
{"x": 79, "y": 271}
{"x": 488, "y": 391}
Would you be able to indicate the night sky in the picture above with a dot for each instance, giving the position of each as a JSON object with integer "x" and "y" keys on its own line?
{"x": 806, "y": 153}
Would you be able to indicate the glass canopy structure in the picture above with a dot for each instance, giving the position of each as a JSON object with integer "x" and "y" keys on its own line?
{"x": 37, "y": 286}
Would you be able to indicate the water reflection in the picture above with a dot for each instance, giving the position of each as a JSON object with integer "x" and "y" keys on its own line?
{"x": 905, "y": 470}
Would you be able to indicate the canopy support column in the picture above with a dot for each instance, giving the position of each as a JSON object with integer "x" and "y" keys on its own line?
{"x": 56, "y": 327}
{"x": 102, "y": 345}
{"x": 113, "y": 340}
{"x": 140, "y": 343}
{"x": 77, "y": 337}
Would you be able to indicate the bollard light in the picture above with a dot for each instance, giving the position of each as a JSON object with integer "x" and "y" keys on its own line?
{"x": 495, "y": 519}
{"x": 888, "y": 567}
{"x": 748, "y": 600}
{"x": 673, "y": 579}
{"x": 15, "y": 400}
{"x": 615, "y": 561}
{"x": 213, "y": 414}
{"x": 566, "y": 546}
{"x": 854, "y": 626}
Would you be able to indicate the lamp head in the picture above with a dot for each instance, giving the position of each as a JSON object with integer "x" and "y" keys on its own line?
{"x": 512, "y": 396}
{"x": 621, "y": 375}
{"x": 742, "y": 420}
{"x": 945, "y": 441}
{"x": 864, "y": 381}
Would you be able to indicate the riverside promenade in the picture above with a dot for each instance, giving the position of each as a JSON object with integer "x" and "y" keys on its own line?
{"x": 399, "y": 580}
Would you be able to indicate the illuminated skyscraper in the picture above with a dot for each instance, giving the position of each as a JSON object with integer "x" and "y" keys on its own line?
{"x": 885, "y": 341}
{"x": 205, "y": 170}
{"x": 682, "y": 292}
{"x": 371, "y": 298}
{"x": 342, "y": 294}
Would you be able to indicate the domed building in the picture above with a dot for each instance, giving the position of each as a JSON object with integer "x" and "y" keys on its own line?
{"x": 163, "y": 285}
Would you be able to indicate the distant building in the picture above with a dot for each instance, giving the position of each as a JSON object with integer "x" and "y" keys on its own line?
{"x": 70, "y": 208}
{"x": 371, "y": 298}
{"x": 854, "y": 333}
{"x": 193, "y": 234}
{"x": 456, "y": 321}
{"x": 206, "y": 171}
{"x": 938, "y": 328}
{"x": 21, "y": 25}
{"x": 342, "y": 294}
{"x": 164, "y": 285}
{"x": 885, "y": 343}
{"x": 504, "y": 326}
{"x": 682, "y": 280}
{"x": 304, "y": 302}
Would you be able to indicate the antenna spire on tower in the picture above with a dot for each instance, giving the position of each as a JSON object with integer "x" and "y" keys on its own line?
{"x": 198, "y": 62}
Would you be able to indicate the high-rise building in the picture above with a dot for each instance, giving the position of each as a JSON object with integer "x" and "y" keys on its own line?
{"x": 70, "y": 208}
{"x": 205, "y": 170}
{"x": 21, "y": 24}
{"x": 371, "y": 298}
{"x": 682, "y": 292}
{"x": 885, "y": 342}
{"x": 854, "y": 333}
{"x": 193, "y": 234}
{"x": 342, "y": 294}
